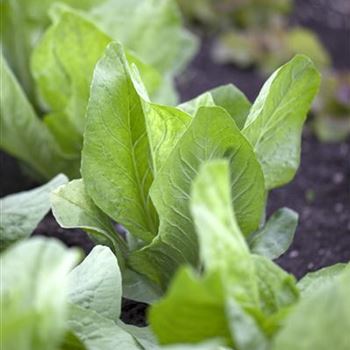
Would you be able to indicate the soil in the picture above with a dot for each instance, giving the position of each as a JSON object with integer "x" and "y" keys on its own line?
{"x": 320, "y": 192}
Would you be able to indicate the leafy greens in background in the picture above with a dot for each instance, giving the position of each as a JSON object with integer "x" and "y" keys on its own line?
{"x": 332, "y": 107}
{"x": 55, "y": 70}
{"x": 21, "y": 212}
{"x": 140, "y": 158}
{"x": 255, "y": 32}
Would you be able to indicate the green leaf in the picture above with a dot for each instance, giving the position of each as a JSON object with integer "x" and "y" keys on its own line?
{"x": 22, "y": 212}
{"x": 313, "y": 281}
{"x": 192, "y": 311}
{"x": 23, "y": 135}
{"x": 96, "y": 284}
{"x": 234, "y": 101}
{"x": 222, "y": 244}
{"x": 320, "y": 321}
{"x": 276, "y": 236}
{"x": 137, "y": 287}
{"x": 63, "y": 55}
{"x": 191, "y": 107}
{"x": 226, "y": 96}
{"x": 97, "y": 332}
{"x": 244, "y": 329}
{"x": 277, "y": 289}
{"x": 165, "y": 44}
{"x": 275, "y": 121}
{"x": 143, "y": 336}
{"x": 72, "y": 342}
{"x": 164, "y": 124}
{"x": 211, "y": 134}
{"x": 165, "y": 127}
{"x": 161, "y": 88}
{"x": 34, "y": 305}
{"x": 73, "y": 208}
{"x": 115, "y": 158}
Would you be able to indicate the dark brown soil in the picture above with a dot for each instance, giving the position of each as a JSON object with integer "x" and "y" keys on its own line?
{"x": 320, "y": 192}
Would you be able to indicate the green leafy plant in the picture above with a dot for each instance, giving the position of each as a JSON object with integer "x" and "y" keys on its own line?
{"x": 140, "y": 158}
{"x": 21, "y": 212}
{"x": 44, "y": 104}
{"x": 245, "y": 298}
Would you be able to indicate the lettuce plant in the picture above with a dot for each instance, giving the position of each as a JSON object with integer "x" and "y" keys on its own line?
{"x": 44, "y": 105}
{"x": 245, "y": 298}
{"x": 139, "y": 159}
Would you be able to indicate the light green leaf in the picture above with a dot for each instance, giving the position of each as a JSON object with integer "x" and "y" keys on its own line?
{"x": 143, "y": 336}
{"x": 192, "y": 310}
{"x": 73, "y": 208}
{"x": 226, "y": 96}
{"x": 34, "y": 305}
{"x": 211, "y": 134}
{"x": 63, "y": 54}
{"x": 234, "y": 101}
{"x": 313, "y": 281}
{"x": 165, "y": 126}
{"x": 137, "y": 287}
{"x": 23, "y": 134}
{"x": 115, "y": 159}
{"x": 277, "y": 289}
{"x": 320, "y": 321}
{"x": 161, "y": 88}
{"x": 191, "y": 107}
{"x": 276, "y": 236}
{"x": 222, "y": 245}
{"x": 275, "y": 121}
{"x": 165, "y": 44}
{"x": 244, "y": 329}
{"x": 98, "y": 332}
{"x": 22, "y": 212}
{"x": 96, "y": 284}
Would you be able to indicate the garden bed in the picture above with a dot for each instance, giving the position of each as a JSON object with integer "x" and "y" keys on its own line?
{"x": 320, "y": 192}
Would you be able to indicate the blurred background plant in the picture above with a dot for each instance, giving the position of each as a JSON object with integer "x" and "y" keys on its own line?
{"x": 332, "y": 107}
{"x": 258, "y": 33}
